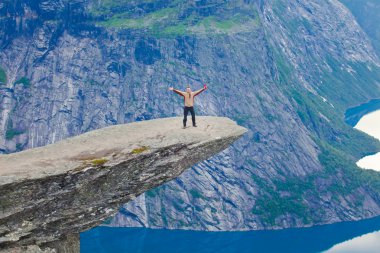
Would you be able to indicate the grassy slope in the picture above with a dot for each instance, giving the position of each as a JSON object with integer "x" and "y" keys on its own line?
{"x": 172, "y": 19}
{"x": 340, "y": 145}
{"x": 24, "y": 81}
{"x": 3, "y": 77}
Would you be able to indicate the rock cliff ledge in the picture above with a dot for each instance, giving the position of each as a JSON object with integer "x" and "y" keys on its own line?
{"x": 48, "y": 195}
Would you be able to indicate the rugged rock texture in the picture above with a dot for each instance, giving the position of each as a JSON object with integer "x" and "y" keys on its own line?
{"x": 366, "y": 13}
{"x": 50, "y": 194}
{"x": 287, "y": 70}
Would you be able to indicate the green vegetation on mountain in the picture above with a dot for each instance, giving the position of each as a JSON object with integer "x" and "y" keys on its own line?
{"x": 174, "y": 19}
{"x": 328, "y": 125}
{"x": 348, "y": 83}
{"x": 3, "y": 76}
{"x": 288, "y": 197}
{"x": 282, "y": 198}
{"x": 11, "y": 133}
{"x": 340, "y": 145}
{"x": 24, "y": 81}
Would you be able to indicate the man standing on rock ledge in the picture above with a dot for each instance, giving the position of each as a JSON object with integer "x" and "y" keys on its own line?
{"x": 188, "y": 96}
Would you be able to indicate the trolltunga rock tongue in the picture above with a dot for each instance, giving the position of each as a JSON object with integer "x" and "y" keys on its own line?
{"x": 48, "y": 195}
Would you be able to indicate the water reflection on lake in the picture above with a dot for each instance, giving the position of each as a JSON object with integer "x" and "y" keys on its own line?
{"x": 370, "y": 124}
{"x": 369, "y": 243}
{"x": 366, "y": 118}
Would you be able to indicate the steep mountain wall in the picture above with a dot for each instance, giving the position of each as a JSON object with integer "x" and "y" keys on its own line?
{"x": 366, "y": 13}
{"x": 286, "y": 70}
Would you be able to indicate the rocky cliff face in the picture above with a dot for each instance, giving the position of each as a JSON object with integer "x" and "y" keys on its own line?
{"x": 50, "y": 194}
{"x": 286, "y": 70}
{"x": 367, "y": 14}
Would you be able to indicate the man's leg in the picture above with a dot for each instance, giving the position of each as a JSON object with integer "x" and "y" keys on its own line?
{"x": 192, "y": 115}
{"x": 185, "y": 112}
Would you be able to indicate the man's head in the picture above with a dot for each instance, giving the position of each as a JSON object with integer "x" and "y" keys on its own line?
{"x": 188, "y": 89}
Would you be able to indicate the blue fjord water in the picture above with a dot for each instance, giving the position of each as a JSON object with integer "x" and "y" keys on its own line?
{"x": 314, "y": 239}
{"x": 346, "y": 237}
{"x": 354, "y": 114}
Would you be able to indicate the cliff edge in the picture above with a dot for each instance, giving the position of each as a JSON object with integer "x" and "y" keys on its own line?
{"x": 48, "y": 195}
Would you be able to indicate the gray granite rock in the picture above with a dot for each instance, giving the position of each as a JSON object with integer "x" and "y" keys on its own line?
{"x": 54, "y": 192}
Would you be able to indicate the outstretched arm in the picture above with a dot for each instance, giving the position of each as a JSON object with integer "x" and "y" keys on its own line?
{"x": 199, "y": 91}
{"x": 176, "y": 91}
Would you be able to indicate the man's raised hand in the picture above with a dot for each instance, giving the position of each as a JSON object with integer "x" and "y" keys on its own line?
{"x": 171, "y": 88}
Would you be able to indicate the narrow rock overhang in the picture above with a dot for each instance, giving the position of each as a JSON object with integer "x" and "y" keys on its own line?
{"x": 51, "y": 192}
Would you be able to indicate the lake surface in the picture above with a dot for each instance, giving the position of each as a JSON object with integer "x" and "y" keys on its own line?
{"x": 354, "y": 114}
{"x": 348, "y": 237}
{"x": 370, "y": 124}
{"x": 366, "y": 118}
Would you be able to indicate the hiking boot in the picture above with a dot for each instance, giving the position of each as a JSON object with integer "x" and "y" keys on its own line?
{"x": 195, "y": 125}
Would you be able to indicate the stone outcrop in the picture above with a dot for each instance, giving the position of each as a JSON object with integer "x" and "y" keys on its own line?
{"x": 285, "y": 69}
{"x": 50, "y": 194}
